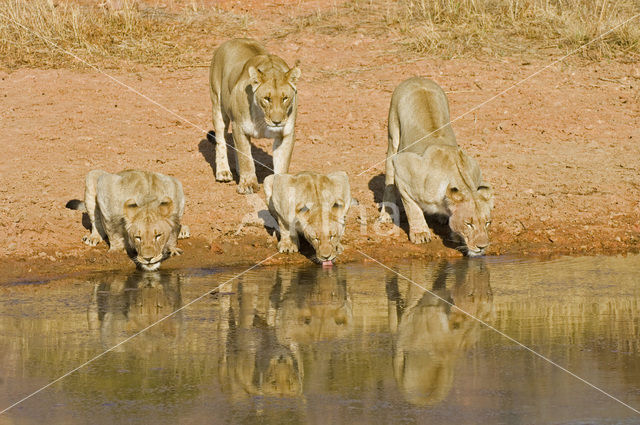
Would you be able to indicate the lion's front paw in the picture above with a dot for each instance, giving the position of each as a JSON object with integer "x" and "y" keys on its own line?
{"x": 175, "y": 251}
{"x": 91, "y": 239}
{"x": 116, "y": 246}
{"x": 384, "y": 217}
{"x": 420, "y": 237}
{"x": 286, "y": 245}
{"x": 184, "y": 232}
{"x": 224, "y": 176}
{"x": 248, "y": 185}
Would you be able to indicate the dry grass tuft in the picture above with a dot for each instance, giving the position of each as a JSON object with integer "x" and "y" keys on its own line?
{"x": 454, "y": 28}
{"x": 104, "y": 35}
{"x": 460, "y": 27}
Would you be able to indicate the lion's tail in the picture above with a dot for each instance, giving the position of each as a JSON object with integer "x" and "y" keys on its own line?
{"x": 76, "y": 204}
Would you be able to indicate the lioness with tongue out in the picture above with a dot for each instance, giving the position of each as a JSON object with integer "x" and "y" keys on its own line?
{"x": 312, "y": 204}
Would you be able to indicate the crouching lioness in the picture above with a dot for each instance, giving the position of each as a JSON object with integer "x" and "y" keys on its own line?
{"x": 431, "y": 172}
{"x": 312, "y": 204}
{"x": 256, "y": 92}
{"x": 137, "y": 211}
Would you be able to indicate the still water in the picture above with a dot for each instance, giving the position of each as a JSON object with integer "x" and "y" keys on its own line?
{"x": 355, "y": 344}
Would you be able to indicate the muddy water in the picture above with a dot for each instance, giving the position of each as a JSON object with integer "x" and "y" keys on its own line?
{"x": 356, "y": 344}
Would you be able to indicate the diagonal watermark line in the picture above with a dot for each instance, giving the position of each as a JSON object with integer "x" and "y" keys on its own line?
{"x": 128, "y": 87}
{"x": 506, "y": 90}
{"x": 499, "y": 332}
{"x": 134, "y": 335}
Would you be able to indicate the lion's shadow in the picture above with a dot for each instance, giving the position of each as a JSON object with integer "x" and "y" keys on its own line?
{"x": 263, "y": 161}
{"x": 438, "y": 223}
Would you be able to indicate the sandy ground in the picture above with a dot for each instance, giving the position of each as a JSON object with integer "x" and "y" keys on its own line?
{"x": 561, "y": 151}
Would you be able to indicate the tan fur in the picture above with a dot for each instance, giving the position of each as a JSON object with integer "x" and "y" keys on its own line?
{"x": 123, "y": 304}
{"x": 254, "y": 362}
{"x": 313, "y": 304}
{"x": 312, "y": 204}
{"x": 255, "y": 92}
{"x": 429, "y": 334}
{"x": 433, "y": 175}
{"x": 138, "y": 211}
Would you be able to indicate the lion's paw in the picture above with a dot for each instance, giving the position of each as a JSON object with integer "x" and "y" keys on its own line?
{"x": 385, "y": 217}
{"x": 248, "y": 185}
{"x": 116, "y": 246}
{"x": 175, "y": 251}
{"x": 184, "y": 232}
{"x": 287, "y": 246}
{"x": 224, "y": 176}
{"x": 420, "y": 237}
{"x": 91, "y": 239}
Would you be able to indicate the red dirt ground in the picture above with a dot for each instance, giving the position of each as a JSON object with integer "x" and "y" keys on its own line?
{"x": 561, "y": 150}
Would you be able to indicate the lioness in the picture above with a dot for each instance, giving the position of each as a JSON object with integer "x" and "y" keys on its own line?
{"x": 138, "y": 211}
{"x": 256, "y": 92}
{"x": 313, "y": 204}
{"x": 431, "y": 172}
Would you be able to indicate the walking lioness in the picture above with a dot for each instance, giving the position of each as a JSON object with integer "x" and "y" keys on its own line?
{"x": 431, "y": 172}
{"x": 138, "y": 211}
{"x": 256, "y": 92}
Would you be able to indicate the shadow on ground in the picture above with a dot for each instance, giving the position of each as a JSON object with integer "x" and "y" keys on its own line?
{"x": 262, "y": 159}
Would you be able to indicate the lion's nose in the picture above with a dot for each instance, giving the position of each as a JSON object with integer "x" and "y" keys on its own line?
{"x": 148, "y": 259}
{"x": 482, "y": 247}
{"x": 275, "y": 122}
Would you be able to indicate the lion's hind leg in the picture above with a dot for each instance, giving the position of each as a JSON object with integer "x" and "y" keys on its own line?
{"x": 90, "y": 203}
{"x": 389, "y": 195}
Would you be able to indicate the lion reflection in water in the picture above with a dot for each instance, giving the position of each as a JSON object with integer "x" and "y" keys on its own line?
{"x": 265, "y": 328}
{"x": 126, "y": 303}
{"x": 429, "y": 334}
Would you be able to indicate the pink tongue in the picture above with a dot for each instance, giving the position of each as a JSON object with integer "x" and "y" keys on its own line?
{"x": 327, "y": 263}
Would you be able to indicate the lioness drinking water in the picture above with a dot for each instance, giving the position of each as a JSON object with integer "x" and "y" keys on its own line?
{"x": 312, "y": 204}
{"x": 138, "y": 211}
{"x": 431, "y": 172}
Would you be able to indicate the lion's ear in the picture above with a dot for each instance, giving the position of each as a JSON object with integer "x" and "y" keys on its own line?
{"x": 293, "y": 74}
{"x": 166, "y": 207}
{"x": 486, "y": 193}
{"x": 130, "y": 209}
{"x": 454, "y": 194}
{"x": 256, "y": 77}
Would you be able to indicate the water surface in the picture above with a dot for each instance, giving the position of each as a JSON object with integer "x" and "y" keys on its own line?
{"x": 355, "y": 344}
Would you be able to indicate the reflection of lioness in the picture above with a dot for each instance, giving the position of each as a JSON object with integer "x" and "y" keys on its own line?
{"x": 256, "y": 92}
{"x": 430, "y": 334}
{"x": 134, "y": 210}
{"x": 313, "y": 204}
{"x": 431, "y": 172}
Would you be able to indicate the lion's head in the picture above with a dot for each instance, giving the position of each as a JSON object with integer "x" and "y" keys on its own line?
{"x": 471, "y": 216}
{"x": 316, "y": 307}
{"x": 313, "y": 204}
{"x": 274, "y": 91}
{"x": 148, "y": 229}
{"x": 323, "y": 225}
{"x": 321, "y": 207}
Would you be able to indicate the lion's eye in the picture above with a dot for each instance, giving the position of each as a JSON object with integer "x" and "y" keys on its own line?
{"x": 267, "y": 99}
{"x": 158, "y": 236}
{"x": 332, "y": 237}
{"x": 469, "y": 225}
{"x": 488, "y": 223}
{"x": 138, "y": 239}
{"x": 285, "y": 99}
